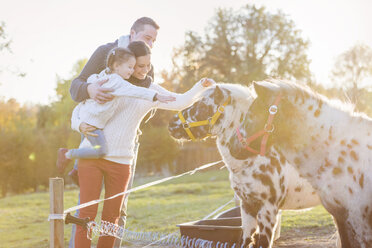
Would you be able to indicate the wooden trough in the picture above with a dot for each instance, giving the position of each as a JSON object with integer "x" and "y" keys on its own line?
{"x": 224, "y": 229}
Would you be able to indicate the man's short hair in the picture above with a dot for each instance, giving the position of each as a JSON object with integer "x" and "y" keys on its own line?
{"x": 139, "y": 24}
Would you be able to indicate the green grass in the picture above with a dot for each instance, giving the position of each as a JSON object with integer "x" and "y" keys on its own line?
{"x": 316, "y": 217}
{"x": 23, "y": 218}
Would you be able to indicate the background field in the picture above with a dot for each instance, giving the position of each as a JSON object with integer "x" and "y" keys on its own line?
{"x": 23, "y": 218}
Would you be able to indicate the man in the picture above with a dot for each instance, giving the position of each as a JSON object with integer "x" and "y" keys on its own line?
{"x": 143, "y": 29}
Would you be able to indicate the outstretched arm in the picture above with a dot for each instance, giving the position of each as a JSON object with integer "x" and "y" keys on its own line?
{"x": 186, "y": 99}
{"x": 122, "y": 87}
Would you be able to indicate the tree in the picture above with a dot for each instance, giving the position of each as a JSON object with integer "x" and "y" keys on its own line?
{"x": 351, "y": 68}
{"x": 16, "y": 129}
{"x": 242, "y": 46}
{"x": 4, "y": 41}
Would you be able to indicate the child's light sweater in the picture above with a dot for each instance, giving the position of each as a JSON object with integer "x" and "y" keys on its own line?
{"x": 95, "y": 114}
{"x": 120, "y": 130}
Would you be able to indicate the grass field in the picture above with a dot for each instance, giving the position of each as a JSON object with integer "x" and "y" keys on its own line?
{"x": 23, "y": 218}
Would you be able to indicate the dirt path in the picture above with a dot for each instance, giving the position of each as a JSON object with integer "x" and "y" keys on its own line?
{"x": 315, "y": 237}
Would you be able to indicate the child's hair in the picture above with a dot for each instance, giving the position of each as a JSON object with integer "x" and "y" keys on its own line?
{"x": 139, "y": 48}
{"x": 119, "y": 55}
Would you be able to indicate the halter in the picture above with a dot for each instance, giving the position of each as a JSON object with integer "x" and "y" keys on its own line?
{"x": 265, "y": 132}
{"x": 210, "y": 121}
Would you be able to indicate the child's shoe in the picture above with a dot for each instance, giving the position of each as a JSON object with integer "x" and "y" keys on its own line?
{"x": 62, "y": 161}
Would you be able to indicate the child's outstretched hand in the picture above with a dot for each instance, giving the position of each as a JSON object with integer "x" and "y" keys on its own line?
{"x": 206, "y": 82}
{"x": 164, "y": 98}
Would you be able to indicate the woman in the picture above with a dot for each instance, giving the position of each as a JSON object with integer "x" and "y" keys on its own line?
{"x": 120, "y": 132}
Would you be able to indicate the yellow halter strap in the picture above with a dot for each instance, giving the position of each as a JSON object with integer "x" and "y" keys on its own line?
{"x": 210, "y": 121}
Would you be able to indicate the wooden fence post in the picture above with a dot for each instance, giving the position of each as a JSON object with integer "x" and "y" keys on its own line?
{"x": 56, "y": 208}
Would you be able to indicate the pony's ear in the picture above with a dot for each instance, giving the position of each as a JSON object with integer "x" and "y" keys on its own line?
{"x": 217, "y": 95}
{"x": 263, "y": 88}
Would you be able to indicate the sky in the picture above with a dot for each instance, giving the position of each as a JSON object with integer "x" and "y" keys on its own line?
{"x": 50, "y": 36}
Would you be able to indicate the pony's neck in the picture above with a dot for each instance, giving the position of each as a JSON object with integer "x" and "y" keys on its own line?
{"x": 233, "y": 115}
{"x": 230, "y": 121}
{"x": 226, "y": 130}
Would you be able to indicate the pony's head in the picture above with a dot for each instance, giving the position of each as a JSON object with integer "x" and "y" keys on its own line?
{"x": 270, "y": 120}
{"x": 198, "y": 120}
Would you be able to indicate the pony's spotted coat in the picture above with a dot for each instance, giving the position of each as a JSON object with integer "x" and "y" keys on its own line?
{"x": 329, "y": 145}
{"x": 265, "y": 184}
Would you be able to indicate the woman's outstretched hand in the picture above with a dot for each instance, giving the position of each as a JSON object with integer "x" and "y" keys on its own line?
{"x": 207, "y": 82}
{"x": 165, "y": 98}
{"x": 87, "y": 129}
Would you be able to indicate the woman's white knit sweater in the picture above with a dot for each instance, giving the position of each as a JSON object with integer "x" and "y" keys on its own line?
{"x": 121, "y": 129}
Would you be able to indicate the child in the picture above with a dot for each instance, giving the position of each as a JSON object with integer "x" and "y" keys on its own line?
{"x": 120, "y": 66}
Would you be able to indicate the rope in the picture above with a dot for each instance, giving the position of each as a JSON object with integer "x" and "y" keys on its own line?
{"x": 183, "y": 241}
{"x": 93, "y": 202}
{"x": 173, "y": 240}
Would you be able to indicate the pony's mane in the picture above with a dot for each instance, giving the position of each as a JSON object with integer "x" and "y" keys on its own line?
{"x": 237, "y": 90}
{"x": 305, "y": 91}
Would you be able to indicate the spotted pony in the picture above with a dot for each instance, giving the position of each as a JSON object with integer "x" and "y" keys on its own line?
{"x": 328, "y": 143}
{"x": 263, "y": 187}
